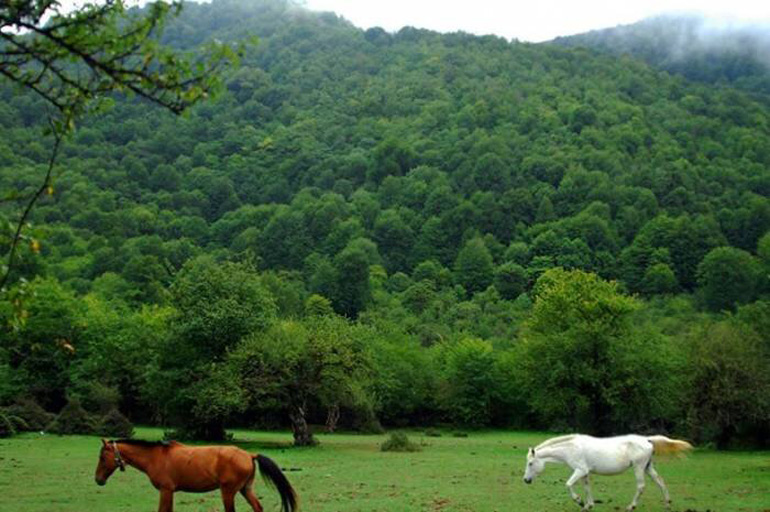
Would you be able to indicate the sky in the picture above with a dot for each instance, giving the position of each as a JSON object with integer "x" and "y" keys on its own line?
{"x": 530, "y": 20}
{"x": 525, "y": 20}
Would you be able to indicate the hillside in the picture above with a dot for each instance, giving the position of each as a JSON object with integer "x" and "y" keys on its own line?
{"x": 421, "y": 183}
{"x": 416, "y": 141}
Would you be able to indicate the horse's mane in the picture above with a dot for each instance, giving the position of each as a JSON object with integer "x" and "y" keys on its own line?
{"x": 142, "y": 442}
{"x": 555, "y": 440}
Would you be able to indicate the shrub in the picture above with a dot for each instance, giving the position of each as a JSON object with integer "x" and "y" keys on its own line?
{"x": 399, "y": 442}
{"x": 432, "y": 432}
{"x": 73, "y": 419}
{"x": 10, "y": 424}
{"x": 459, "y": 434}
{"x": 114, "y": 424}
{"x": 35, "y": 417}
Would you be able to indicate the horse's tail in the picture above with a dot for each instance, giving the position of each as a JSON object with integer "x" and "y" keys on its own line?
{"x": 273, "y": 476}
{"x": 662, "y": 445}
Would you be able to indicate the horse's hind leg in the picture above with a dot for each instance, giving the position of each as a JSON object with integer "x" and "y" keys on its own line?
{"x": 659, "y": 480}
{"x": 639, "y": 474}
{"x": 248, "y": 493}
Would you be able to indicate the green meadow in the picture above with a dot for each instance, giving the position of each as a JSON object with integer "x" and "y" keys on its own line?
{"x": 348, "y": 473}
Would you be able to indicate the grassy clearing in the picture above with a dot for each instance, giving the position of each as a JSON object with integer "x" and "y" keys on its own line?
{"x": 349, "y": 473}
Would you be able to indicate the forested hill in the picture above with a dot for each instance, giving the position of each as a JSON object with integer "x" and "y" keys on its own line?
{"x": 410, "y": 145}
{"x": 694, "y": 46}
{"x": 417, "y": 181}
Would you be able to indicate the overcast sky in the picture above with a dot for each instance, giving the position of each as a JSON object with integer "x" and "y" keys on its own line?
{"x": 526, "y": 20}
{"x": 531, "y": 20}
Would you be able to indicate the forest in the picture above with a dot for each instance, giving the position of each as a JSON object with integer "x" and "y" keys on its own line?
{"x": 368, "y": 229}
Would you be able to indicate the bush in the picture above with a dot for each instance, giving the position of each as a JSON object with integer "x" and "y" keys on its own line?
{"x": 35, "y": 417}
{"x": 399, "y": 442}
{"x": 432, "y": 432}
{"x": 114, "y": 424}
{"x": 459, "y": 434}
{"x": 10, "y": 424}
{"x": 98, "y": 398}
{"x": 73, "y": 419}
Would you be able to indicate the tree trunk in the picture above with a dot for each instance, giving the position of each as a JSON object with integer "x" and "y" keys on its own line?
{"x": 302, "y": 434}
{"x": 332, "y": 418}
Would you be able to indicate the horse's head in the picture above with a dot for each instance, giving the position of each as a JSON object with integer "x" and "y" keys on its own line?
{"x": 535, "y": 466}
{"x": 109, "y": 461}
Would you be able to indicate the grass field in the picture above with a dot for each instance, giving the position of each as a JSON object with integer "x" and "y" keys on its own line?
{"x": 347, "y": 473}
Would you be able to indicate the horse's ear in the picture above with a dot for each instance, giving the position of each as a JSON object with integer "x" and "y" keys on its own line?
{"x": 105, "y": 442}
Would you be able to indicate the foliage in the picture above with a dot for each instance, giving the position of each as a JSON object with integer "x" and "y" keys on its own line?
{"x": 399, "y": 442}
{"x": 191, "y": 270}
{"x": 470, "y": 378}
{"x": 583, "y": 365}
{"x": 79, "y": 57}
{"x": 34, "y": 417}
{"x": 42, "y": 351}
{"x": 115, "y": 425}
{"x": 73, "y": 419}
{"x": 728, "y": 277}
{"x": 729, "y": 384}
{"x": 105, "y": 39}
{"x": 293, "y": 365}
{"x": 216, "y": 305}
{"x": 10, "y": 424}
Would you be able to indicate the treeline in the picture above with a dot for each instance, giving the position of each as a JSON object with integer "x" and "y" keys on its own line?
{"x": 395, "y": 228}
{"x": 236, "y": 347}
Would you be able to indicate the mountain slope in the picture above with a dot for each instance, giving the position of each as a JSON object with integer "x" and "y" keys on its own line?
{"x": 405, "y": 147}
{"x": 693, "y": 46}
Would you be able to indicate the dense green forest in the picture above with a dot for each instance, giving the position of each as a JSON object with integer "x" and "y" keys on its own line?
{"x": 371, "y": 228}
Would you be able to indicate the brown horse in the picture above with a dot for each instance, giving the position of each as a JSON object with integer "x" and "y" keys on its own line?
{"x": 172, "y": 467}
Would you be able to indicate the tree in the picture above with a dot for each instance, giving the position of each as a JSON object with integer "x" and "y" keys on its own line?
{"x": 511, "y": 280}
{"x": 112, "y": 49}
{"x": 473, "y": 267}
{"x": 729, "y": 386}
{"x": 217, "y": 304}
{"x": 659, "y": 279}
{"x": 295, "y": 365}
{"x": 728, "y": 277}
{"x": 470, "y": 377}
{"x": 352, "y": 290}
{"x": 43, "y": 349}
{"x": 581, "y": 362}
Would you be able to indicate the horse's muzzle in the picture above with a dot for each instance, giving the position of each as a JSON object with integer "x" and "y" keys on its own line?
{"x": 527, "y": 480}
{"x": 100, "y": 482}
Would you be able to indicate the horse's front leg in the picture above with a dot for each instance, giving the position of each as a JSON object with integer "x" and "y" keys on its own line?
{"x": 166, "y": 501}
{"x": 228, "y": 498}
{"x": 589, "y": 496}
{"x": 576, "y": 475}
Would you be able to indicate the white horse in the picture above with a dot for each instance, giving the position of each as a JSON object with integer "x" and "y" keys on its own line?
{"x": 603, "y": 456}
